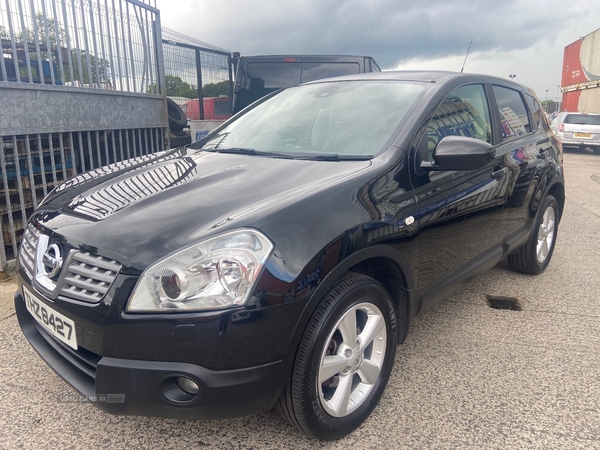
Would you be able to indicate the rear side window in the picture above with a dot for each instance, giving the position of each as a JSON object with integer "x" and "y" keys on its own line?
{"x": 317, "y": 71}
{"x": 536, "y": 111}
{"x": 513, "y": 114}
{"x": 582, "y": 119}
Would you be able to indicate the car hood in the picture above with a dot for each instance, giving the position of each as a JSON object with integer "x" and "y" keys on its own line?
{"x": 140, "y": 210}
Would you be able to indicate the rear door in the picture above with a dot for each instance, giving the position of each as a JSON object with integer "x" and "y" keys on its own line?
{"x": 469, "y": 219}
{"x": 526, "y": 152}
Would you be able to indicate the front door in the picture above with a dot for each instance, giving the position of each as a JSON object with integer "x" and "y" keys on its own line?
{"x": 458, "y": 211}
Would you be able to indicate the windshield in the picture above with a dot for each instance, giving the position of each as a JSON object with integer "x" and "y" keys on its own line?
{"x": 339, "y": 118}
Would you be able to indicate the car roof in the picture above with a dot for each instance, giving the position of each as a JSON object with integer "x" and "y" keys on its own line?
{"x": 427, "y": 76}
{"x": 286, "y": 59}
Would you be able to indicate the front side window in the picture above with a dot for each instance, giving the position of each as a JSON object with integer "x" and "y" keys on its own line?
{"x": 513, "y": 114}
{"x": 464, "y": 112}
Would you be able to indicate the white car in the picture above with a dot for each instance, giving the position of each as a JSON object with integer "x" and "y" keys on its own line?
{"x": 581, "y": 130}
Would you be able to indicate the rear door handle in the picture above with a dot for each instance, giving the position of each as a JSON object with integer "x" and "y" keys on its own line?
{"x": 543, "y": 154}
{"x": 496, "y": 175}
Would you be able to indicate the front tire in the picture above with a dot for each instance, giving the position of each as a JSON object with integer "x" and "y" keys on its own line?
{"x": 535, "y": 255}
{"x": 344, "y": 359}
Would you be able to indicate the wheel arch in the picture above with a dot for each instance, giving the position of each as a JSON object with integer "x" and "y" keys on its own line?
{"x": 557, "y": 190}
{"x": 382, "y": 263}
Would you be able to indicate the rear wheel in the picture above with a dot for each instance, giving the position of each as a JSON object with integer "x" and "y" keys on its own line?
{"x": 344, "y": 360}
{"x": 535, "y": 255}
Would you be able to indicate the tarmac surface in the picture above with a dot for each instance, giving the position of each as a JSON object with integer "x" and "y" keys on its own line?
{"x": 468, "y": 376}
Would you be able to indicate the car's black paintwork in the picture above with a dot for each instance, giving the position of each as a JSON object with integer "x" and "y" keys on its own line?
{"x": 325, "y": 218}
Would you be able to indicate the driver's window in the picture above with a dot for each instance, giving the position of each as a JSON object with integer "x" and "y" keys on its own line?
{"x": 464, "y": 112}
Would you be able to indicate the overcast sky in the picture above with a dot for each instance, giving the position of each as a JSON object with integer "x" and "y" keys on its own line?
{"x": 521, "y": 37}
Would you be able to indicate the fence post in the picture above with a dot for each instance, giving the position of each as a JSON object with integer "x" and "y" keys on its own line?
{"x": 2, "y": 251}
{"x": 229, "y": 64}
{"x": 160, "y": 63}
{"x": 199, "y": 77}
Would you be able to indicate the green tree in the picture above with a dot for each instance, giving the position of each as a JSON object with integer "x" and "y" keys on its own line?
{"x": 176, "y": 87}
{"x": 57, "y": 37}
{"x": 82, "y": 73}
{"x": 549, "y": 106}
{"x": 56, "y": 40}
{"x": 216, "y": 89}
{"x": 179, "y": 88}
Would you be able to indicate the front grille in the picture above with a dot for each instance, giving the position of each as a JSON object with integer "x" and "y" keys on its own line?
{"x": 28, "y": 246}
{"x": 89, "y": 277}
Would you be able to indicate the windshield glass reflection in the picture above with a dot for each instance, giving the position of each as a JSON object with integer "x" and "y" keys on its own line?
{"x": 345, "y": 118}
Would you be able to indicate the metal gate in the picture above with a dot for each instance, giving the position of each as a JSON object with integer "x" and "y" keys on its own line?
{"x": 195, "y": 69}
{"x": 81, "y": 86}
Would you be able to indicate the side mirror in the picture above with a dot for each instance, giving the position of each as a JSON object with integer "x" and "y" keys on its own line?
{"x": 460, "y": 153}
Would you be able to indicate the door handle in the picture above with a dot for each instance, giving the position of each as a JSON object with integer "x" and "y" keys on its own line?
{"x": 543, "y": 154}
{"x": 497, "y": 174}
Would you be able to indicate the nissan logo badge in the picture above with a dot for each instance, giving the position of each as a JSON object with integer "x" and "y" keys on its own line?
{"x": 52, "y": 260}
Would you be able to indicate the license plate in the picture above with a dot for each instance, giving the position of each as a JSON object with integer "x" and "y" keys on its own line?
{"x": 582, "y": 135}
{"x": 59, "y": 326}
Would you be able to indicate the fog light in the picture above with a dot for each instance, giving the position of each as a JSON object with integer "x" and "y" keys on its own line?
{"x": 188, "y": 386}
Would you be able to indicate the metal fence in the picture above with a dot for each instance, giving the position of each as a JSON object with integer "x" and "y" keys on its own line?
{"x": 101, "y": 44}
{"x": 195, "y": 69}
{"x": 81, "y": 87}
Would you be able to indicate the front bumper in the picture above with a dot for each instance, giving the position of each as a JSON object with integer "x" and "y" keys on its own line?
{"x": 148, "y": 388}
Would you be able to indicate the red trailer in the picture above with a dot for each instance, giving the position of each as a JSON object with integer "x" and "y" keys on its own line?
{"x": 581, "y": 75}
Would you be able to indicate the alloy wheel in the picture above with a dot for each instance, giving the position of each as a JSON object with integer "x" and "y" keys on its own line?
{"x": 352, "y": 359}
{"x": 545, "y": 236}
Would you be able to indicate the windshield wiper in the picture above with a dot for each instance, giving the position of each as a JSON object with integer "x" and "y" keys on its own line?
{"x": 247, "y": 151}
{"x": 336, "y": 157}
{"x": 314, "y": 157}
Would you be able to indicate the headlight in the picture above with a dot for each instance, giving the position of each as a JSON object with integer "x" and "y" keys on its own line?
{"x": 217, "y": 273}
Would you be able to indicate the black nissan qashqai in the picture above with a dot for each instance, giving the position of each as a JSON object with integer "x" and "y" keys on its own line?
{"x": 280, "y": 261}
